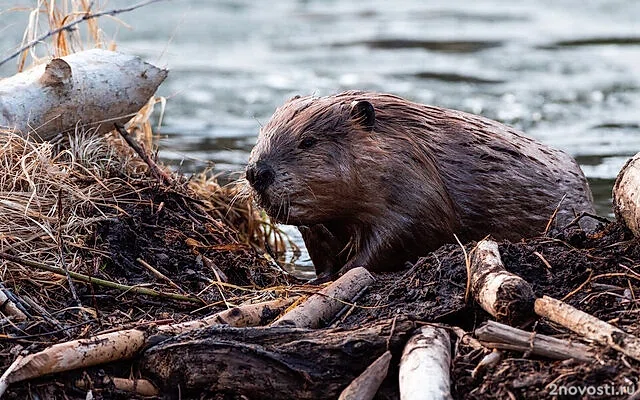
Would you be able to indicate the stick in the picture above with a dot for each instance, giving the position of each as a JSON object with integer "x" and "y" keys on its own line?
{"x": 246, "y": 315}
{"x": 588, "y": 326}
{"x": 626, "y": 196}
{"x": 141, "y": 387}
{"x": 502, "y": 294}
{"x": 158, "y": 173}
{"x": 424, "y": 367}
{"x": 124, "y": 344}
{"x": 365, "y": 386}
{"x": 489, "y": 361}
{"x": 320, "y": 308}
{"x": 70, "y": 25}
{"x": 98, "y": 281}
{"x": 496, "y": 335}
{"x": 8, "y": 308}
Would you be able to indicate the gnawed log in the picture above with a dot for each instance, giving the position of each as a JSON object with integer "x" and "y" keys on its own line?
{"x": 425, "y": 364}
{"x": 88, "y": 89}
{"x": 365, "y": 386}
{"x": 626, "y": 195}
{"x": 588, "y": 326}
{"x": 502, "y": 294}
{"x": 79, "y": 354}
{"x": 124, "y": 344}
{"x": 496, "y": 335}
{"x": 276, "y": 362}
{"x": 320, "y": 308}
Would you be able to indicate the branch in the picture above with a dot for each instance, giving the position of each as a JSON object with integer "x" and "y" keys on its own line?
{"x": 98, "y": 281}
{"x": 70, "y": 25}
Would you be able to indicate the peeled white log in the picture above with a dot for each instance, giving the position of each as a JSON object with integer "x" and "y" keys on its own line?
{"x": 424, "y": 367}
{"x": 320, "y": 308}
{"x": 588, "y": 326}
{"x": 365, "y": 386}
{"x": 504, "y": 295}
{"x": 124, "y": 344}
{"x": 626, "y": 195}
{"x": 79, "y": 354}
{"x": 90, "y": 89}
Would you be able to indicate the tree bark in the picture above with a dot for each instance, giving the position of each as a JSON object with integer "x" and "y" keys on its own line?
{"x": 275, "y": 362}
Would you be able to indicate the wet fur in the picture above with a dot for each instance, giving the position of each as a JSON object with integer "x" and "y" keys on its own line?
{"x": 377, "y": 198}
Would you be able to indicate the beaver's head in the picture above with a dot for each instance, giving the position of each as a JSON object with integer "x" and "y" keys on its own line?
{"x": 303, "y": 168}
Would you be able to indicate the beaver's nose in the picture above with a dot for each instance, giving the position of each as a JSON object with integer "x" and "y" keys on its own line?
{"x": 260, "y": 175}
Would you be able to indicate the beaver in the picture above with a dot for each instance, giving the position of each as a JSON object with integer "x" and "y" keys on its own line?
{"x": 375, "y": 180}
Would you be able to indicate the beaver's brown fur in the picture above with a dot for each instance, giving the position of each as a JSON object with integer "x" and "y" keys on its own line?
{"x": 374, "y": 180}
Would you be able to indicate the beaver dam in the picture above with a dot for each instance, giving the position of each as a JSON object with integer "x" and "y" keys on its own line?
{"x": 121, "y": 279}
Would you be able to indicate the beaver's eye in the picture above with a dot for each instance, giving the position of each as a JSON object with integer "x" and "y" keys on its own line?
{"x": 307, "y": 142}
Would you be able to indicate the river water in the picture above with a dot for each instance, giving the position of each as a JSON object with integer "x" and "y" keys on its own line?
{"x": 566, "y": 72}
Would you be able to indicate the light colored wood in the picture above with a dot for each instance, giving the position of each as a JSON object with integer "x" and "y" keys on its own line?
{"x": 425, "y": 365}
{"x": 626, "y": 195}
{"x": 9, "y": 309}
{"x": 245, "y": 315}
{"x": 321, "y": 307}
{"x": 89, "y": 89}
{"x": 588, "y": 326}
{"x": 504, "y": 295}
{"x": 79, "y": 354}
{"x": 497, "y": 335}
{"x": 365, "y": 386}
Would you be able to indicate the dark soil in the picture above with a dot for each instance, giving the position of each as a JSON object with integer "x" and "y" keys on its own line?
{"x": 173, "y": 233}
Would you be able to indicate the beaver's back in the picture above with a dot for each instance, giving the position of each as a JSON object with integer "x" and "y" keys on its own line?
{"x": 504, "y": 182}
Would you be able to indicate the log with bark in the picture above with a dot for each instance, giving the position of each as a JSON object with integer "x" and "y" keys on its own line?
{"x": 588, "y": 326}
{"x": 500, "y": 336}
{"x": 506, "y": 296}
{"x": 276, "y": 362}
{"x": 626, "y": 195}
{"x": 88, "y": 89}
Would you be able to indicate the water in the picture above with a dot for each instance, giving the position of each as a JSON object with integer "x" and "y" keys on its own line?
{"x": 567, "y": 73}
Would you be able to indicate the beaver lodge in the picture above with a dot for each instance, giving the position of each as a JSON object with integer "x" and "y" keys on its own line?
{"x": 122, "y": 279}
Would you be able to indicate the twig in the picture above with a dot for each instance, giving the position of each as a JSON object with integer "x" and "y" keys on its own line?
{"x": 160, "y": 275}
{"x": 159, "y": 174}
{"x": 553, "y": 216}
{"x": 70, "y": 25}
{"x": 4, "y": 384}
{"x": 72, "y": 287}
{"x": 467, "y": 263}
{"x": 98, "y": 281}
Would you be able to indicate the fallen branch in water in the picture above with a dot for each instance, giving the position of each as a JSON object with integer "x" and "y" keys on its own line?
{"x": 98, "y": 281}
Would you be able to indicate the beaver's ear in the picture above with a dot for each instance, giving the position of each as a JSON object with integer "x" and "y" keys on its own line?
{"x": 362, "y": 113}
